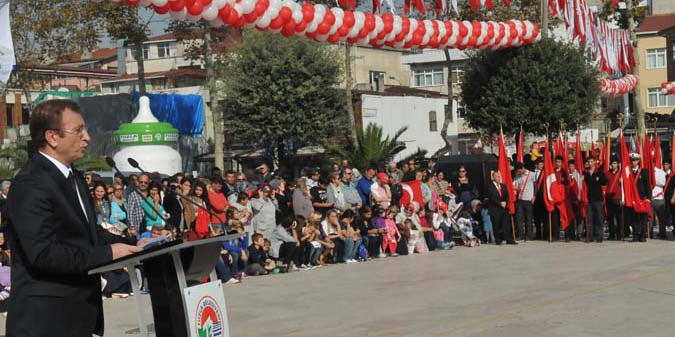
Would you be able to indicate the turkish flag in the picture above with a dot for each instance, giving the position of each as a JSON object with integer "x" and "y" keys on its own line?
{"x": 647, "y": 162}
{"x": 627, "y": 174}
{"x": 505, "y": 171}
{"x": 549, "y": 179}
{"x": 412, "y": 191}
{"x": 658, "y": 157}
{"x": 519, "y": 149}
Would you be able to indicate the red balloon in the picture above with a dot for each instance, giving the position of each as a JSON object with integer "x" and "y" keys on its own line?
{"x": 472, "y": 41}
{"x": 240, "y": 23}
{"x": 163, "y": 9}
{"x": 369, "y": 22}
{"x": 329, "y": 17}
{"x": 417, "y": 37}
{"x": 344, "y": 30}
{"x": 277, "y": 22}
{"x": 476, "y": 29}
{"x": 131, "y": 2}
{"x": 462, "y": 30}
{"x": 261, "y": 7}
{"x": 334, "y": 38}
{"x": 363, "y": 33}
{"x": 206, "y": 2}
{"x": 301, "y": 27}
{"x": 323, "y": 28}
{"x": 196, "y": 9}
{"x": 512, "y": 29}
{"x": 352, "y": 40}
{"x": 307, "y": 12}
{"x": 311, "y": 35}
{"x": 224, "y": 13}
{"x": 290, "y": 25}
{"x": 250, "y": 17}
{"x": 348, "y": 19}
{"x": 285, "y": 13}
{"x": 287, "y": 32}
{"x": 233, "y": 18}
{"x": 176, "y": 5}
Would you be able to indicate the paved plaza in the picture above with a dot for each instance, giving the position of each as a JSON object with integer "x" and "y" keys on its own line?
{"x": 533, "y": 289}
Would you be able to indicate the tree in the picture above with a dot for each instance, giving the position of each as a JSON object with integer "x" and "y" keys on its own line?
{"x": 214, "y": 42}
{"x": 519, "y": 9}
{"x": 282, "y": 93}
{"x": 122, "y": 22}
{"x": 371, "y": 148}
{"x": 45, "y": 31}
{"x": 547, "y": 82}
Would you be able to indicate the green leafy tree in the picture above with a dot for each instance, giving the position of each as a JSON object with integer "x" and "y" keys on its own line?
{"x": 371, "y": 147}
{"x": 548, "y": 82}
{"x": 45, "y": 31}
{"x": 282, "y": 93}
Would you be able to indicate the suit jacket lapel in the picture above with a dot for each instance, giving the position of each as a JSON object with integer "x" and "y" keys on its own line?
{"x": 88, "y": 204}
{"x": 68, "y": 191}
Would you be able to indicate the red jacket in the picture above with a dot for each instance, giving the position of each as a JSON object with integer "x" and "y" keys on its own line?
{"x": 218, "y": 206}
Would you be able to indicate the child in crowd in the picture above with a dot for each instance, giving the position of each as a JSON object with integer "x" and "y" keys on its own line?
{"x": 416, "y": 241}
{"x": 465, "y": 223}
{"x": 259, "y": 262}
{"x": 487, "y": 225}
{"x": 319, "y": 239}
{"x": 237, "y": 247}
{"x": 391, "y": 235}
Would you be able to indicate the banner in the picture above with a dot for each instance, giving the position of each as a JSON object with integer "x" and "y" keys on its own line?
{"x": 7, "y": 60}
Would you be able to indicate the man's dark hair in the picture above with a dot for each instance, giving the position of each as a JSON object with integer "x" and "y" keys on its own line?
{"x": 558, "y": 158}
{"x": 47, "y": 116}
{"x": 518, "y": 165}
{"x": 216, "y": 179}
{"x": 589, "y": 158}
{"x": 229, "y": 172}
{"x": 571, "y": 162}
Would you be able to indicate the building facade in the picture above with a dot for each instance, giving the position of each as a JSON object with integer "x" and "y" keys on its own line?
{"x": 652, "y": 68}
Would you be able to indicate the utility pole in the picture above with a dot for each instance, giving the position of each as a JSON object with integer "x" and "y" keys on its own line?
{"x": 640, "y": 113}
{"x": 544, "y": 17}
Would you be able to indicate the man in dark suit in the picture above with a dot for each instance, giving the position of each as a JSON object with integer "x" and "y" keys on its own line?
{"x": 53, "y": 233}
{"x": 498, "y": 197}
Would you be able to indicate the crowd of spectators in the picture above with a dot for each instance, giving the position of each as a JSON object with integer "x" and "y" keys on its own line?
{"x": 321, "y": 218}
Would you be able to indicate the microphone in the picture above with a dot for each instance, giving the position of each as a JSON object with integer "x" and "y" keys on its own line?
{"x": 111, "y": 163}
{"x": 135, "y": 165}
{"x": 134, "y": 188}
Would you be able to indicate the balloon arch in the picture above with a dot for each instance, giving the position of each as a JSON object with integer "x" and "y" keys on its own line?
{"x": 334, "y": 25}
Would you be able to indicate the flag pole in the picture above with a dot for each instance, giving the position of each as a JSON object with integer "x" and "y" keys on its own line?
{"x": 513, "y": 229}
{"x": 550, "y": 228}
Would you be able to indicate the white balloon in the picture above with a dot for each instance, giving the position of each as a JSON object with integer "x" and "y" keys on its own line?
{"x": 529, "y": 30}
{"x": 336, "y": 25}
{"x": 179, "y": 15}
{"x": 272, "y": 12}
{"x": 338, "y": 11}
{"x": 160, "y": 3}
{"x": 210, "y": 13}
{"x": 264, "y": 20}
{"x": 145, "y": 3}
{"x": 297, "y": 16}
{"x": 483, "y": 33}
{"x": 322, "y": 37}
{"x": 320, "y": 9}
{"x": 247, "y": 6}
{"x": 219, "y": 3}
{"x": 276, "y": 5}
{"x": 469, "y": 28}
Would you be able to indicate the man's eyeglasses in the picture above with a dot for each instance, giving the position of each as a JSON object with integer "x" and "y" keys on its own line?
{"x": 143, "y": 182}
{"x": 462, "y": 171}
{"x": 411, "y": 163}
{"x": 81, "y": 131}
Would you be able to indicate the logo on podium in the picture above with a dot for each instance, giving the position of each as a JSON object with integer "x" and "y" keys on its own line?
{"x": 206, "y": 310}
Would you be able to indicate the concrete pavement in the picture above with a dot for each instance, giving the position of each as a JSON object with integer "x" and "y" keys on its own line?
{"x": 532, "y": 289}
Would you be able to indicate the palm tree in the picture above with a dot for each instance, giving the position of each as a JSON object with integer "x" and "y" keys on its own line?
{"x": 370, "y": 148}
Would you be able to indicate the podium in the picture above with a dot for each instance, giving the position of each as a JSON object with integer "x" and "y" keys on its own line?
{"x": 174, "y": 272}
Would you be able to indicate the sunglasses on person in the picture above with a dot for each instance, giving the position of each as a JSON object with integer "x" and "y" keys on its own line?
{"x": 462, "y": 171}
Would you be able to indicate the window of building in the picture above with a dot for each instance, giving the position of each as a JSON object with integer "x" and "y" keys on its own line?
{"x": 656, "y": 58}
{"x": 377, "y": 80}
{"x": 659, "y": 100}
{"x": 448, "y": 114}
{"x": 165, "y": 50}
{"x": 457, "y": 74}
{"x": 428, "y": 77}
{"x": 461, "y": 110}
{"x": 433, "y": 121}
{"x": 146, "y": 52}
